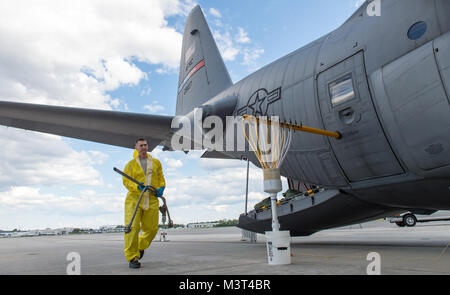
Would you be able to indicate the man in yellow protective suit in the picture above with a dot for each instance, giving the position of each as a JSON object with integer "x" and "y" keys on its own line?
{"x": 147, "y": 170}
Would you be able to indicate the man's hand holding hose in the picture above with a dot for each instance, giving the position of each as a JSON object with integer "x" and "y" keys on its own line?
{"x": 157, "y": 192}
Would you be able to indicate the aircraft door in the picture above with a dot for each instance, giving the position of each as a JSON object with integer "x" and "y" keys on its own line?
{"x": 346, "y": 106}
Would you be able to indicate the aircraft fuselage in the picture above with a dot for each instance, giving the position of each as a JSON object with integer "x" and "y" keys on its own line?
{"x": 384, "y": 87}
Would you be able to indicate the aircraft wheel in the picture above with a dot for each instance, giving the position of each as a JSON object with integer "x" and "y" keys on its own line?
{"x": 409, "y": 220}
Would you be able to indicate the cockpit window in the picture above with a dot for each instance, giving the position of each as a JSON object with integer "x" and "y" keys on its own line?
{"x": 341, "y": 90}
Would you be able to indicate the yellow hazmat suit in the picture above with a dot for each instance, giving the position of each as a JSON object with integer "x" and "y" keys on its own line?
{"x": 147, "y": 215}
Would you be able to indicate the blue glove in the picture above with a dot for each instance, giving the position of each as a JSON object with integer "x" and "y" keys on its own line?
{"x": 160, "y": 191}
{"x": 141, "y": 187}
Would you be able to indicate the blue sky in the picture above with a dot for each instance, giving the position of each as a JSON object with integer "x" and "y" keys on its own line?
{"x": 124, "y": 56}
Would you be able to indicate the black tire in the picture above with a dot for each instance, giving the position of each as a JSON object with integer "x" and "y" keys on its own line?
{"x": 409, "y": 220}
{"x": 400, "y": 223}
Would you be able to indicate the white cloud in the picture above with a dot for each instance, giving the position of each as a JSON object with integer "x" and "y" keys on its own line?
{"x": 154, "y": 107}
{"x": 165, "y": 70}
{"x": 30, "y": 158}
{"x": 217, "y": 194}
{"x": 71, "y": 53}
{"x": 215, "y": 164}
{"x": 173, "y": 164}
{"x": 242, "y": 36}
{"x": 118, "y": 72}
{"x": 251, "y": 55}
{"x": 146, "y": 92}
{"x": 240, "y": 46}
{"x": 81, "y": 203}
{"x": 30, "y": 208}
{"x": 215, "y": 12}
{"x": 226, "y": 46}
{"x": 98, "y": 157}
{"x": 215, "y": 187}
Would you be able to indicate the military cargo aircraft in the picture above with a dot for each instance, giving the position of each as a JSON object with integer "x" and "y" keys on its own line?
{"x": 382, "y": 80}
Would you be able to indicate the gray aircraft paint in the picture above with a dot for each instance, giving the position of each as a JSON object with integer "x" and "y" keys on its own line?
{"x": 197, "y": 82}
{"x": 395, "y": 150}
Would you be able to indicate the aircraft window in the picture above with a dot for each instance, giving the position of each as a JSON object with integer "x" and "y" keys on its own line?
{"x": 341, "y": 90}
{"x": 417, "y": 30}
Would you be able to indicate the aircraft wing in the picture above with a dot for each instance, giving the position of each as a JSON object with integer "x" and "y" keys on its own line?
{"x": 216, "y": 155}
{"x": 109, "y": 127}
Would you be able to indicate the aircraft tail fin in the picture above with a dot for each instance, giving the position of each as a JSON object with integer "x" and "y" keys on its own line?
{"x": 202, "y": 71}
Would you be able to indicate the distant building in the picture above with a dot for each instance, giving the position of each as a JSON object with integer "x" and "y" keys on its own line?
{"x": 107, "y": 228}
{"x": 111, "y": 228}
{"x": 64, "y": 231}
{"x": 46, "y": 232}
{"x": 202, "y": 225}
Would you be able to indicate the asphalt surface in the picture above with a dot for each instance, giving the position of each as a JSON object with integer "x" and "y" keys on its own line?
{"x": 423, "y": 249}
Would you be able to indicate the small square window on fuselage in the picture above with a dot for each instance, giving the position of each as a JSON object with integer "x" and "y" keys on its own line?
{"x": 341, "y": 90}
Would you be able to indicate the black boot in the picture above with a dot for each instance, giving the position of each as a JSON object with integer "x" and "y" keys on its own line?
{"x": 142, "y": 254}
{"x": 134, "y": 263}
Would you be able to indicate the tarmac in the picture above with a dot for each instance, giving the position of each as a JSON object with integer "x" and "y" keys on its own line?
{"x": 423, "y": 249}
